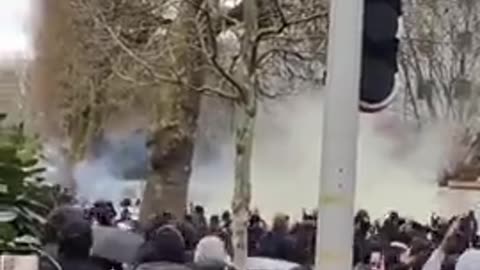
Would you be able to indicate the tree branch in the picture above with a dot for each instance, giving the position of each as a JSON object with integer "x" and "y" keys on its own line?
{"x": 212, "y": 54}
{"x": 126, "y": 49}
{"x": 217, "y": 92}
{"x": 285, "y": 23}
{"x": 264, "y": 56}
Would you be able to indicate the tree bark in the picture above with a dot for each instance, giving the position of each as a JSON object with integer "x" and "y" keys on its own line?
{"x": 244, "y": 133}
{"x": 244, "y": 136}
{"x": 172, "y": 136}
{"x": 53, "y": 42}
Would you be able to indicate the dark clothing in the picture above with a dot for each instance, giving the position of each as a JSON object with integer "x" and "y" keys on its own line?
{"x": 305, "y": 234}
{"x": 106, "y": 264}
{"x": 200, "y": 223}
{"x": 165, "y": 245}
{"x": 255, "y": 235}
{"x": 77, "y": 264}
{"x": 209, "y": 267}
{"x": 189, "y": 234}
{"x": 162, "y": 266}
{"x": 75, "y": 241}
{"x": 277, "y": 245}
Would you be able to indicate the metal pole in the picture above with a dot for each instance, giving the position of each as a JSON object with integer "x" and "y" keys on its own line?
{"x": 340, "y": 132}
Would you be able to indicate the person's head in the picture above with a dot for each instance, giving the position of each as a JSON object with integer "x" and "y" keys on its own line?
{"x": 226, "y": 218}
{"x": 214, "y": 221}
{"x": 255, "y": 220}
{"x": 58, "y": 218}
{"x": 309, "y": 217}
{"x": 362, "y": 216}
{"x": 126, "y": 202}
{"x": 75, "y": 239}
{"x": 103, "y": 212}
{"x": 199, "y": 210}
{"x": 211, "y": 251}
{"x": 471, "y": 214}
{"x": 362, "y": 222}
{"x": 188, "y": 218}
{"x": 156, "y": 222}
{"x": 166, "y": 244}
{"x": 280, "y": 223}
{"x": 394, "y": 217}
{"x": 168, "y": 217}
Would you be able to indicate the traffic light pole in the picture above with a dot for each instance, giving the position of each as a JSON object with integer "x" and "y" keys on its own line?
{"x": 340, "y": 132}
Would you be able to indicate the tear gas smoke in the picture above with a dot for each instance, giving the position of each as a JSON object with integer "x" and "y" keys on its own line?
{"x": 398, "y": 164}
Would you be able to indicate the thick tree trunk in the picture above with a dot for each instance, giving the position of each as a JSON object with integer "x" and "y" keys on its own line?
{"x": 172, "y": 136}
{"x": 53, "y": 42}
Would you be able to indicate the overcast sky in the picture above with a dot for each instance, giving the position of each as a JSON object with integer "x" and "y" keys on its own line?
{"x": 14, "y": 30}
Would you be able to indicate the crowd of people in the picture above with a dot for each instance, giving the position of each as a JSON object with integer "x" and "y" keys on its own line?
{"x": 196, "y": 241}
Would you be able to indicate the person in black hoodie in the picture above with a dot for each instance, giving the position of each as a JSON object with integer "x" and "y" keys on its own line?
{"x": 200, "y": 221}
{"x": 278, "y": 244}
{"x": 75, "y": 242}
{"x": 164, "y": 250}
{"x": 256, "y": 231}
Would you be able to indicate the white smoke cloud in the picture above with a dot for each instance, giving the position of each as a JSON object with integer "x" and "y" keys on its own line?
{"x": 398, "y": 164}
{"x": 397, "y": 168}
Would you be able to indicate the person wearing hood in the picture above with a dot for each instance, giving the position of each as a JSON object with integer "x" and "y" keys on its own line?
{"x": 75, "y": 242}
{"x": 199, "y": 220}
{"x": 211, "y": 254}
{"x": 56, "y": 220}
{"x": 256, "y": 231}
{"x": 164, "y": 250}
{"x": 278, "y": 244}
{"x": 469, "y": 260}
{"x": 103, "y": 213}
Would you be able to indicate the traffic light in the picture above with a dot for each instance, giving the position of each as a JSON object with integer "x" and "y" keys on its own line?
{"x": 379, "y": 55}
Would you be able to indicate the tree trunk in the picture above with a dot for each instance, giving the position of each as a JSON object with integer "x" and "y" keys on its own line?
{"x": 53, "y": 40}
{"x": 53, "y": 43}
{"x": 172, "y": 135}
{"x": 244, "y": 132}
{"x": 244, "y": 135}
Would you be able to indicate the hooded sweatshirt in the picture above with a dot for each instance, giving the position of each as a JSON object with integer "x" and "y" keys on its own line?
{"x": 211, "y": 254}
{"x": 75, "y": 241}
{"x": 470, "y": 260}
{"x": 163, "y": 251}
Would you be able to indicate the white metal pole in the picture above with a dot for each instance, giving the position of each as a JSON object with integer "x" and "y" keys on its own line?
{"x": 340, "y": 134}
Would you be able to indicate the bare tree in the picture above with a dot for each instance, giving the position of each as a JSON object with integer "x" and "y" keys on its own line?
{"x": 438, "y": 62}
{"x": 267, "y": 51}
{"x": 439, "y": 58}
{"x": 104, "y": 57}
{"x": 100, "y": 59}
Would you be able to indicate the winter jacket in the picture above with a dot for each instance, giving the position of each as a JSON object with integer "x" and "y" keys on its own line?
{"x": 278, "y": 245}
